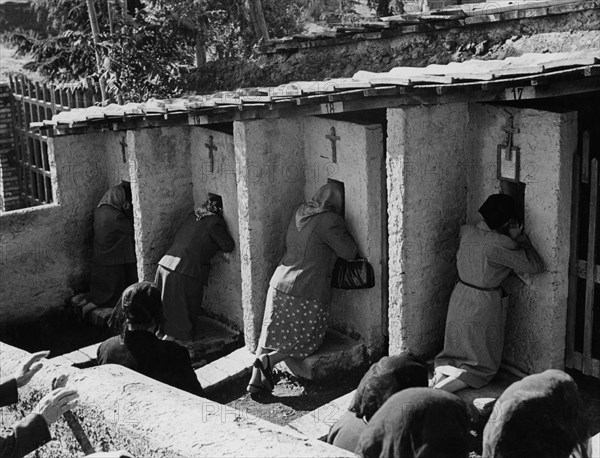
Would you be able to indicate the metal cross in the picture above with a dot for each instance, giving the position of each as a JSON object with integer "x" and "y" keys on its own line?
{"x": 123, "y": 144}
{"x": 333, "y": 138}
{"x": 211, "y": 149}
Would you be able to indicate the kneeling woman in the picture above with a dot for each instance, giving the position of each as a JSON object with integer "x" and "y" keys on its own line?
{"x": 297, "y": 307}
{"x": 140, "y": 313}
{"x": 487, "y": 254}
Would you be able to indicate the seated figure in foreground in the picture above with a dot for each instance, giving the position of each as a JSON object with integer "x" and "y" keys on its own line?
{"x": 139, "y": 349}
{"x": 540, "y": 416}
{"x": 386, "y": 377}
{"x": 417, "y": 423}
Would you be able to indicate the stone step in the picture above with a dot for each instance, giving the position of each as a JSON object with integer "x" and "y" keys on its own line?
{"x": 481, "y": 402}
{"x": 226, "y": 370}
{"x": 317, "y": 423}
{"x": 338, "y": 354}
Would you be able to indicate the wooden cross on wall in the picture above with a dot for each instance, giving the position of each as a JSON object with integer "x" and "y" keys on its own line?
{"x": 333, "y": 138}
{"x": 211, "y": 150}
{"x": 123, "y": 144}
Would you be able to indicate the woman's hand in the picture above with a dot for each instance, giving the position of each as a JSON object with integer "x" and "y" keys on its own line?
{"x": 515, "y": 230}
{"x": 30, "y": 368}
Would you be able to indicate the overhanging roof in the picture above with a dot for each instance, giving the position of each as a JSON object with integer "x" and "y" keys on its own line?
{"x": 529, "y": 76}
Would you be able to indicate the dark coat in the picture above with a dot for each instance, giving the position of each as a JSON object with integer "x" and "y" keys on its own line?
{"x": 196, "y": 242}
{"x": 113, "y": 227}
{"x": 143, "y": 352}
{"x": 25, "y": 435}
{"x": 346, "y": 431}
{"x": 310, "y": 253}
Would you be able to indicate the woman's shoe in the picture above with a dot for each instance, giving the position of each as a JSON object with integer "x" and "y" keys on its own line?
{"x": 265, "y": 373}
{"x": 252, "y": 388}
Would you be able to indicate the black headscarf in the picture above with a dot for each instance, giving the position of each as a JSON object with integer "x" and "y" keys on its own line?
{"x": 539, "y": 416}
{"x": 418, "y": 423}
{"x": 140, "y": 303}
{"x": 384, "y": 378}
{"x": 498, "y": 210}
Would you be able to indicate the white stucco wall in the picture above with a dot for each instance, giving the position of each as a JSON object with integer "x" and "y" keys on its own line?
{"x": 360, "y": 159}
{"x": 536, "y": 326}
{"x": 427, "y": 201}
{"x": 45, "y": 251}
{"x": 161, "y": 184}
{"x": 270, "y": 159}
{"x": 223, "y": 295}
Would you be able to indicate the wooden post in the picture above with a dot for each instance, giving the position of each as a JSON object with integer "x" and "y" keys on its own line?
{"x": 590, "y": 277}
{"x": 258, "y": 18}
{"x": 111, "y": 26}
{"x": 572, "y": 298}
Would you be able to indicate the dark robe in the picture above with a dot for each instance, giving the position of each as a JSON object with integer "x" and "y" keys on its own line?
{"x": 540, "y": 416}
{"x": 143, "y": 352}
{"x": 183, "y": 272}
{"x": 114, "y": 261}
{"x": 346, "y": 431}
{"x": 383, "y": 379}
{"x": 417, "y": 423}
{"x": 25, "y": 435}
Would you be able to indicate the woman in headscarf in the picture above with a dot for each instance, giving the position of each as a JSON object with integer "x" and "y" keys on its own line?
{"x": 299, "y": 295}
{"x": 138, "y": 348}
{"x": 114, "y": 262}
{"x": 487, "y": 254}
{"x": 183, "y": 271}
{"x": 417, "y": 423}
{"x": 540, "y": 416}
{"x": 386, "y": 377}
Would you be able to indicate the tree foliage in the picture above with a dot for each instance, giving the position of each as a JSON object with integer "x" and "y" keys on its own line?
{"x": 149, "y": 53}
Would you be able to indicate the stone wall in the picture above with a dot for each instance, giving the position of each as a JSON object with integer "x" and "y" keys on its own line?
{"x": 360, "y": 162}
{"x": 427, "y": 200}
{"x": 269, "y": 155}
{"x": 557, "y": 33}
{"x": 164, "y": 418}
{"x": 547, "y": 142}
{"x": 161, "y": 184}
{"x": 223, "y": 296}
{"x": 45, "y": 250}
{"x": 9, "y": 185}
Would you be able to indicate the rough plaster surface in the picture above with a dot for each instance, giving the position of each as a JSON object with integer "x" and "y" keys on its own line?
{"x": 360, "y": 160}
{"x": 172, "y": 419}
{"x": 427, "y": 195}
{"x": 223, "y": 296}
{"x": 536, "y": 326}
{"x": 161, "y": 184}
{"x": 45, "y": 251}
{"x": 270, "y": 163}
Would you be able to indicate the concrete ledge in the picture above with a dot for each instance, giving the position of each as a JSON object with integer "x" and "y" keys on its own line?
{"x": 225, "y": 370}
{"x": 169, "y": 418}
{"x": 339, "y": 353}
{"x": 317, "y": 423}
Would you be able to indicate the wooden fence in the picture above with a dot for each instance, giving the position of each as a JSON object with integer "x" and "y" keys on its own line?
{"x": 583, "y": 325}
{"x": 34, "y": 102}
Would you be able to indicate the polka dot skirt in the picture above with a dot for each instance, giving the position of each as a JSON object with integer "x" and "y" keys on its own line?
{"x": 294, "y": 326}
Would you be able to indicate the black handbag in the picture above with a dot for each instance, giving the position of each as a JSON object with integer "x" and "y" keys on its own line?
{"x": 354, "y": 274}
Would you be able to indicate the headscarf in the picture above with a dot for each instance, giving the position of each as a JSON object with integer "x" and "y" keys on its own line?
{"x": 384, "y": 378}
{"x": 208, "y": 208}
{"x": 327, "y": 199}
{"x": 140, "y": 303}
{"x": 539, "y": 416}
{"x": 498, "y": 210}
{"x": 118, "y": 196}
{"x": 418, "y": 423}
